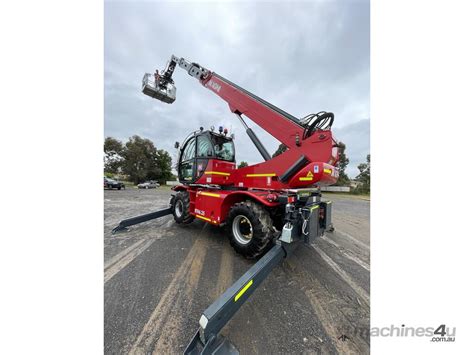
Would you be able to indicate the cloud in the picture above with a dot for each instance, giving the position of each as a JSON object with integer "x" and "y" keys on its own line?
{"x": 355, "y": 137}
{"x": 303, "y": 58}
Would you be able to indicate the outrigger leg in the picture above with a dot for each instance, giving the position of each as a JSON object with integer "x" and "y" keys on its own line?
{"x": 207, "y": 339}
{"x": 143, "y": 218}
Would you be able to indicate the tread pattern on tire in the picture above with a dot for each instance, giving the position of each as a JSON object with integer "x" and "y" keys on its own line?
{"x": 187, "y": 217}
{"x": 262, "y": 225}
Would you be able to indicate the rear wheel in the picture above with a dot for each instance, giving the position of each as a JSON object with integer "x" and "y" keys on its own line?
{"x": 250, "y": 229}
{"x": 181, "y": 211}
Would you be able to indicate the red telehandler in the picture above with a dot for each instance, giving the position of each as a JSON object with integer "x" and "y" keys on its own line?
{"x": 268, "y": 208}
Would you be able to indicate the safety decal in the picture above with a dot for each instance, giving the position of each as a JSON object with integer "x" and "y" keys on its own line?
{"x": 308, "y": 177}
{"x": 316, "y": 169}
{"x": 242, "y": 291}
{"x": 203, "y": 218}
{"x": 260, "y": 175}
{"x": 209, "y": 194}
{"x": 216, "y": 173}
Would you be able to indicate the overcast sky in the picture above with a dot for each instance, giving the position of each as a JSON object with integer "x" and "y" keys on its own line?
{"x": 302, "y": 57}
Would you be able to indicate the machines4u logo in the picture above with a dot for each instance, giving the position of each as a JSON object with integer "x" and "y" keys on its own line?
{"x": 441, "y": 333}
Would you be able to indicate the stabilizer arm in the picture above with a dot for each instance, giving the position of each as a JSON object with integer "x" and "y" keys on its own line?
{"x": 140, "y": 219}
{"x": 207, "y": 340}
{"x": 144, "y": 218}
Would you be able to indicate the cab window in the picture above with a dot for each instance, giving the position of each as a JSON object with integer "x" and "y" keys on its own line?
{"x": 204, "y": 147}
{"x": 186, "y": 167}
{"x": 224, "y": 148}
{"x": 189, "y": 150}
{"x": 186, "y": 170}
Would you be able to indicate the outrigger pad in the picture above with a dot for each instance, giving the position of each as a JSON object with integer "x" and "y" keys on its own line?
{"x": 215, "y": 346}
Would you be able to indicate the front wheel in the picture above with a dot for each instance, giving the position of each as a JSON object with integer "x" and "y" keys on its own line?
{"x": 250, "y": 229}
{"x": 180, "y": 207}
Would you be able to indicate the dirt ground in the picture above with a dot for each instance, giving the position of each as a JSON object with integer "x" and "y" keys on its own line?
{"x": 159, "y": 277}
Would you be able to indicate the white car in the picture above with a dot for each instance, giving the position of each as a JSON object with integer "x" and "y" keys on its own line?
{"x": 148, "y": 185}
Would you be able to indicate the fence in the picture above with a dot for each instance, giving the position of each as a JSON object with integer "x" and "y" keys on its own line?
{"x": 336, "y": 188}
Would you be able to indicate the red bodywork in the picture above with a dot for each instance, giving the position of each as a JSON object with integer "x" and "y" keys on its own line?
{"x": 213, "y": 205}
{"x": 260, "y": 182}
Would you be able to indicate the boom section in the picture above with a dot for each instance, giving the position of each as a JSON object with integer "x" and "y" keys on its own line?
{"x": 280, "y": 124}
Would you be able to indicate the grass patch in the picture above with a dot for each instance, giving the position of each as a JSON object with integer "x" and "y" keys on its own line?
{"x": 364, "y": 197}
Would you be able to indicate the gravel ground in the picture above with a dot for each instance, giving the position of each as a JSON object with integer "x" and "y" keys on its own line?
{"x": 160, "y": 276}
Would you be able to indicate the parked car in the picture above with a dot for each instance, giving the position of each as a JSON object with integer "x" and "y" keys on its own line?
{"x": 148, "y": 185}
{"x": 113, "y": 184}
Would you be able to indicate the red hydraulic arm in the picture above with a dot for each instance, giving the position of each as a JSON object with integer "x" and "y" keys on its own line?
{"x": 317, "y": 151}
{"x": 278, "y": 123}
{"x": 275, "y": 121}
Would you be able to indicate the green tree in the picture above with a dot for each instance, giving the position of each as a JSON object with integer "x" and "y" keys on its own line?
{"x": 342, "y": 164}
{"x": 243, "y": 164}
{"x": 142, "y": 161}
{"x": 163, "y": 160}
{"x": 364, "y": 176}
{"x": 281, "y": 149}
{"x": 113, "y": 155}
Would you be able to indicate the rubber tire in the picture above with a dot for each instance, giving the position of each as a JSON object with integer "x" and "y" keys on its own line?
{"x": 186, "y": 217}
{"x": 119, "y": 188}
{"x": 262, "y": 226}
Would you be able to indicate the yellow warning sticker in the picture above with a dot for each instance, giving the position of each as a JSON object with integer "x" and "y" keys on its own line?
{"x": 309, "y": 174}
{"x": 242, "y": 291}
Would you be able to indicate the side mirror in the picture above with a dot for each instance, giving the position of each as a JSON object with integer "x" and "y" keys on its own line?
{"x": 176, "y": 145}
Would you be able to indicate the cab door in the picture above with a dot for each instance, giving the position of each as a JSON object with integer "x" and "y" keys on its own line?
{"x": 204, "y": 152}
{"x": 187, "y": 163}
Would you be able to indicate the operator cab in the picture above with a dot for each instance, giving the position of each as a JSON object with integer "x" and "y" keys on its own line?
{"x": 201, "y": 153}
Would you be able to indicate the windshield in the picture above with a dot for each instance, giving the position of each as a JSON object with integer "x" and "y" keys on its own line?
{"x": 224, "y": 148}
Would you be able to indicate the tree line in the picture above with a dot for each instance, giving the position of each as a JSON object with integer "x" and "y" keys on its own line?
{"x": 138, "y": 159}
{"x": 364, "y": 176}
